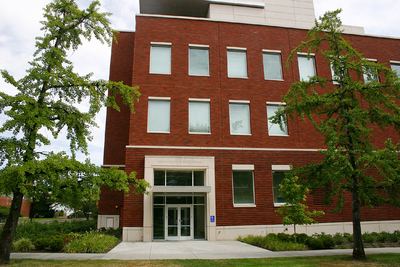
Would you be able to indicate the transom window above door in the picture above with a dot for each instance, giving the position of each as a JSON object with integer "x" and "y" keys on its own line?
{"x": 178, "y": 178}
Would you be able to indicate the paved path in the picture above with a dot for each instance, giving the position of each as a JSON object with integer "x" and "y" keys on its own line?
{"x": 190, "y": 250}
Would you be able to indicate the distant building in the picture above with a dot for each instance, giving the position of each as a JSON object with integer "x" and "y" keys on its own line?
{"x": 210, "y": 74}
{"x": 6, "y": 201}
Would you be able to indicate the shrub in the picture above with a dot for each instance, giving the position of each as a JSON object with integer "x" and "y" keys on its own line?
{"x": 23, "y": 244}
{"x": 284, "y": 237}
{"x": 368, "y": 238}
{"x": 92, "y": 243}
{"x": 4, "y": 211}
{"x": 42, "y": 243}
{"x": 394, "y": 237}
{"x": 349, "y": 237}
{"x": 56, "y": 244}
{"x": 301, "y": 238}
{"x": 271, "y": 242}
{"x": 328, "y": 241}
{"x": 382, "y": 237}
{"x": 338, "y": 238}
{"x": 315, "y": 243}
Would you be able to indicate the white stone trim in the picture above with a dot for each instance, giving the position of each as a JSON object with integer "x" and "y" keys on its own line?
{"x": 230, "y": 148}
{"x": 112, "y": 165}
{"x": 232, "y": 232}
{"x": 280, "y": 167}
{"x": 102, "y": 221}
{"x": 179, "y": 162}
{"x": 242, "y": 167}
{"x": 161, "y": 43}
{"x": 159, "y": 98}
{"x": 132, "y": 234}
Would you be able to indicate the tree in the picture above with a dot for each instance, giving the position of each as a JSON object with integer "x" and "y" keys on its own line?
{"x": 293, "y": 211}
{"x": 42, "y": 207}
{"x": 347, "y": 112}
{"x": 47, "y": 100}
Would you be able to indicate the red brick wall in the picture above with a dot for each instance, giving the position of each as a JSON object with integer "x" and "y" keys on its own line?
{"x": 6, "y": 201}
{"x": 220, "y": 89}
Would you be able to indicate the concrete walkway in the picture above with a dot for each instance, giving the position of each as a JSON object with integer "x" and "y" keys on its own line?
{"x": 190, "y": 250}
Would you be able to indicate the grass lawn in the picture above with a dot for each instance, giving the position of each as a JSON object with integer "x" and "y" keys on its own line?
{"x": 337, "y": 261}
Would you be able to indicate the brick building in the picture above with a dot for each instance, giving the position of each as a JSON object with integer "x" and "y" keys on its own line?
{"x": 210, "y": 74}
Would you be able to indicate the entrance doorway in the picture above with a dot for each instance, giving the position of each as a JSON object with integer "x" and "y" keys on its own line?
{"x": 179, "y": 216}
{"x": 179, "y": 223}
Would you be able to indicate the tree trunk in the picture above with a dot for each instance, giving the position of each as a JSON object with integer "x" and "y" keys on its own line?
{"x": 358, "y": 247}
{"x": 7, "y": 236}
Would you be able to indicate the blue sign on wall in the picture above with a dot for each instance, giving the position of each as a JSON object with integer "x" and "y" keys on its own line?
{"x": 212, "y": 218}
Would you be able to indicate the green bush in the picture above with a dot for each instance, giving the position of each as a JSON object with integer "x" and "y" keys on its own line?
{"x": 327, "y": 240}
{"x": 56, "y": 244}
{"x": 22, "y": 245}
{"x": 4, "y": 211}
{"x": 92, "y": 243}
{"x": 368, "y": 238}
{"x": 382, "y": 237}
{"x": 394, "y": 237}
{"x": 315, "y": 243}
{"x": 42, "y": 243}
{"x": 285, "y": 237}
{"x": 349, "y": 237}
{"x": 338, "y": 238}
{"x": 35, "y": 230}
{"x": 301, "y": 238}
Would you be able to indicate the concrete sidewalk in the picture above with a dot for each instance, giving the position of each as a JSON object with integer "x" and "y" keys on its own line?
{"x": 190, "y": 250}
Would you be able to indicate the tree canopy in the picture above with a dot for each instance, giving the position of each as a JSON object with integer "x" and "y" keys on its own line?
{"x": 348, "y": 110}
{"x": 48, "y": 99}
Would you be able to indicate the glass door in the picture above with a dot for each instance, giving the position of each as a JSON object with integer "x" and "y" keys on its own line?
{"x": 179, "y": 223}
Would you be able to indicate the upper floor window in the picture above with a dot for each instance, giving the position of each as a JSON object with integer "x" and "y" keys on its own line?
{"x": 273, "y": 128}
{"x": 158, "y": 120}
{"x": 198, "y": 60}
{"x": 370, "y": 73}
{"x": 272, "y": 65}
{"x": 160, "y": 58}
{"x": 237, "y": 62}
{"x": 243, "y": 185}
{"x": 306, "y": 67}
{"x": 395, "y": 65}
{"x": 199, "y": 116}
{"x": 239, "y": 116}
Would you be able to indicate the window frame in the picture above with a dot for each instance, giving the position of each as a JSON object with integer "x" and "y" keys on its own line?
{"x": 365, "y": 76}
{"x": 243, "y": 168}
{"x": 236, "y": 50}
{"x": 395, "y": 63}
{"x": 199, "y": 47}
{"x": 278, "y": 168}
{"x": 153, "y": 59}
{"x": 311, "y": 57}
{"x": 286, "y": 134}
{"x": 158, "y": 99}
{"x": 200, "y": 100}
{"x": 239, "y": 102}
{"x": 273, "y": 52}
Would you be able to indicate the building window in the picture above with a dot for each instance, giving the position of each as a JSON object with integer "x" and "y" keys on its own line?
{"x": 199, "y": 116}
{"x": 159, "y": 115}
{"x": 395, "y": 67}
{"x": 243, "y": 187}
{"x": 239, "y": 116}
{"x": 237, "y": 63}
{"x": 272, "y": 65}
{"x": 278, "y": 177}
{"x": 198, "y": 60}
{"x": 160, "y": 58}
{"x": 370, "y": 74}
{"x": 306, "y": 67}
{"x": 178, "y": 178}
{"x": 273, "y": 128}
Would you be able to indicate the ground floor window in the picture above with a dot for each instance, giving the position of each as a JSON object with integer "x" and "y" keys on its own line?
{"x": 179, "y": 216}
{"x": 278, "y": 177}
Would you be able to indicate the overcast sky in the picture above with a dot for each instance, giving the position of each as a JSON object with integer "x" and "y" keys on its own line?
{"x": 19, "y": 25}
